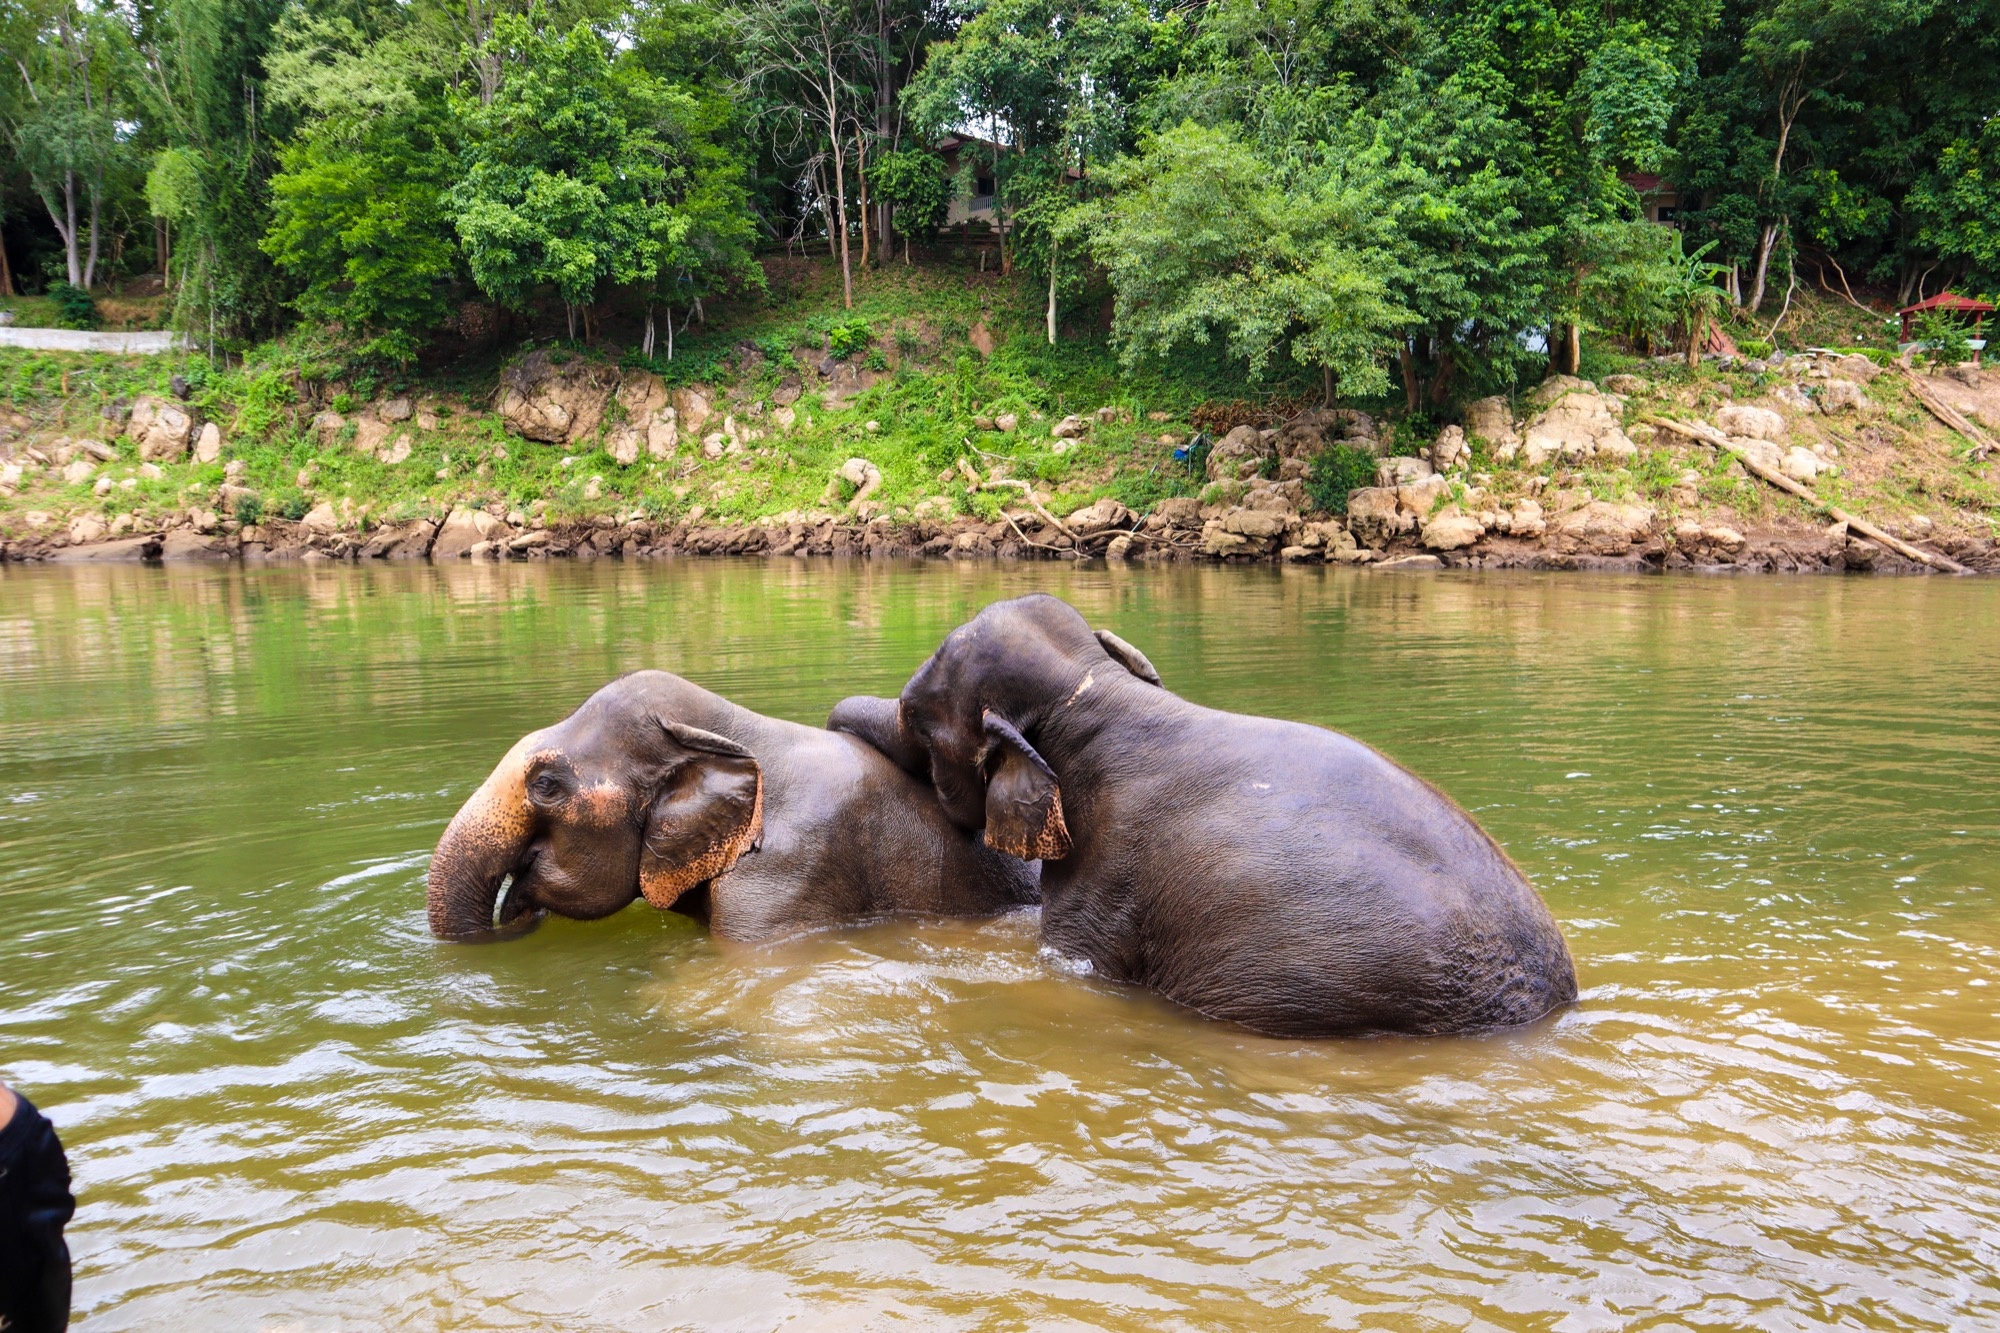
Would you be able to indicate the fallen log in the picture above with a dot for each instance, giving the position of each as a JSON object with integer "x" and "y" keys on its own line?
{"x": 1715, "y": 439}
{"x": 1949, "y": 415}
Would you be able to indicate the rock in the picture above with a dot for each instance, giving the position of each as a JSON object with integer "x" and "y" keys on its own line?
{"x": 1179, "y": 512}
{"x": 1238, "y": 455}
{"x": 594, "y": 489}
{"x": 1761, "y": 452}
{"x": 1418, "y": 498}
{"x": 1409, "y": 562}
{"x": 1007, "y": 422}
{"x": 1218, "y": 541}
{"x": 1374, "y": 517}
{"x": 131, "y": 548}
{"x": 625, "y": 444}
{"x": 1757, "y": 423}
{"x": 981, "y": 339}
{"x": 1837, "y": 395}
{"x": 86, "y": 528}
{"x": 872, "y": 427}
{"x": 1096, "y": 517}
{"x": 208, "y": 445}
{"x": 1625, "y": 384}
{"x": 79, "y": 471}
{"x": 1801, "y": 465}
{"x": 1793, "y": 396}
{"x": 1449, "y": 452}
{"x": 327, "y": 426}
{"x": 321, "y": 518}
{"x": 37, "y": 519}
{"x": 1070, "y": 428}
{"x": 1606, "y": 526}
{"x": 464, "y": 528}
{"x": 555, "y": 401}
{"x": 99, "y": 450}
{"x": 1119, "y": 549}
{"x": 1293, "y": 555}
{"x": 185, "y": 544}
{"x": 162, "y": 429}
{"x": 1451, "y": 528}
{"x": 427, "y": 420}
{"x": 1256, "y": 524}
{"x": 101, "y": 487}
{"x": 1579, "y": 426}
{"x": 398, "y": 451}
{"x": 1401, "y": 471}
{"x": 788, "y": 391}
{"x": 370, "y": 434}
{"x": 1860, "y": 369}
{"x": 151, "y": 472}
{"x": 1726, "y": 537}
{"x": 396, "y": 409}
{"x": 528, "y": 541}
{"x": 1492, "y": 420}
{"x": 1107, "y": 414}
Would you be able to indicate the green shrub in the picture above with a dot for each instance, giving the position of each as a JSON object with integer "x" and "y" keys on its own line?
{"x": 249, "y": 509}
{"x": 1336, "y": 471}
{"x": 845, "y": 339}
{"x": 75, "y": 308}
{"x": 295, "y": 506}
{"x": 1944, "y": 338}
{"x": 1754, "y": 347}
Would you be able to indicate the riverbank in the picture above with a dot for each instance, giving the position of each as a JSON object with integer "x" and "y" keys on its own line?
{"x": 934, "y": 420}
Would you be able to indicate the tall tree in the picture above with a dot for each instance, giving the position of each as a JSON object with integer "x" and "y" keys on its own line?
{"x": 65, "y": 124}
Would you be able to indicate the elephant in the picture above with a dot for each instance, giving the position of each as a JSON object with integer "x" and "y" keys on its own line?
{"x": 1280, "y": 876}
{"x": 656, "y": 788}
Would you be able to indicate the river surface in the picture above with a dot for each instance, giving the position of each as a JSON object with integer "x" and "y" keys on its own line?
{"x": 1766, "y": 811}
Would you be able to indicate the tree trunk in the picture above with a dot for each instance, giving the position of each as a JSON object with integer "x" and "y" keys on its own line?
{"x": 1697, "y": 335}
{"x": 1052, "y": 293}
{"x": 861, "y": 200}
{"x": 1575, "y": 352}
{"x": 6, "y": 273}
{"x": 68, "y": 229}
{"x": 96, "y": 237}
{"x": 840, "y": 205}
{"x": 1408, "y": 362}
{"x": 160, "y": 248}
{"x": 646, "y": 343}
{"x": 1765, "y": 243}
{"x": 670, "y": 333}
{"x": 569, "y": 311}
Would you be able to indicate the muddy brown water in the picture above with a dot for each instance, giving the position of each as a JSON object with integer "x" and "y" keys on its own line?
{"x": 1767, "y": 812}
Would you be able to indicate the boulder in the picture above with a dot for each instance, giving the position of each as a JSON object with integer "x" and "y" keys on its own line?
{"x": 1853, "y": 366}
{"x": 1838, "y": 395}
{"x": 1757, "y": 423}
{"x": 1449, "y": 452}
{"x": 396, "y": 409}
{"x": 327, "y": 426}
{"x": 1313, "y": 432}
{"x": 79, "y": 471}
{"x": 162, "y": 429}
{"x": 1007, "y": 423}
{"x": 1606, "y": 526}
{"x": 1256, "y": 524}
{"x": 464, "y": 529}
{"x": 1801, "y": 465}
{"x": 1401, "y": 471}
{"x": 1764, "y": 453}
{"x": 1525, "y": 520}
{"x": 692, "y": 410}
{"x": 1096, "y": 517}
{"x": 1407, "y": 563}
{"x": 1238, "y": 455}
{"x": 87, "y": 528}
{"x": 130, "y": 548}
{"x": 187, "y": 544}
{"x": 1625, "y": 384}
{"x": 1374, "y": 517}
{"x": 1557, "y": 387}
{"x": 1218, "y": 541}
{"x": 1418, "y": 498}
{"x": 1579, "y": 426}
{"x": 370, "y": 434}
{"x": 208, "y": 444}
{"x": 397, "y": 450}
{"x": 1451, "y": 528}
{"x": 555, "y": 401}
{"x": 1492, "y": 420}
{"x": 1179, "y": 512}
{"x": 1070, "y": 428}
{"x": 321, "y": 518}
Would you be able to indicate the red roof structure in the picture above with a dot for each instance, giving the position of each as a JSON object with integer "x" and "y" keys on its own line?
{"x": 1952, "y": 301}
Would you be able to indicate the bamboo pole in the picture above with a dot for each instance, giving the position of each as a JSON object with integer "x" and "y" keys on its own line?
{"x": 1714, "y": 438}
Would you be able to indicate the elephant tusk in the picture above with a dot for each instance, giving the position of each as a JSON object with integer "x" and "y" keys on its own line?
{"x": 500, "y": 899}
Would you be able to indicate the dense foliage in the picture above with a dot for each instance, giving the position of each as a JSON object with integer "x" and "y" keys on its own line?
{"x": 1430, "y": 201}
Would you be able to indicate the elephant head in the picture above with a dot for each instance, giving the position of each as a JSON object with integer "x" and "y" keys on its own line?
{"x": 965, "y": 719}
{"x": 616, "y": 801}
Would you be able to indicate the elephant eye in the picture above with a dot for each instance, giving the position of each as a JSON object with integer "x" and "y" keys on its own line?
{"x": 546, "y": 788}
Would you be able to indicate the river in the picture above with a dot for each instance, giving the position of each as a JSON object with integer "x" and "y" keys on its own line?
{"x": 1766, "y": 812}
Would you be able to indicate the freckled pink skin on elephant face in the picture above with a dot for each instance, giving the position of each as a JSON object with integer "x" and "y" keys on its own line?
{"x": 657, "y": 788}
{"x": 1269, "y": 873}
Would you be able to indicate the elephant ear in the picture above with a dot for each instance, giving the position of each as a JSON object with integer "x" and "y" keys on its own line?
{"x": 880, "y": 723}
{"x": 1024, "y": 812}
{"x": 1125, "y": 655}
{"x": 708, "y": 811}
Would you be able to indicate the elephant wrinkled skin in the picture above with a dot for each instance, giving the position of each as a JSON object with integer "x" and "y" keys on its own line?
{"x": 656, "y": 788}
{"x": 1273, "y": 874}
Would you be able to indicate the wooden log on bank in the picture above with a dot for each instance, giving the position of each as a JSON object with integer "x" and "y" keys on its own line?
{"x": 1714, "y": 438}
{"x": 1982, "y": 447}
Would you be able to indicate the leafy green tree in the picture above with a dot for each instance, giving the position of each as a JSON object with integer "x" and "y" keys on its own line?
{"x": 1203, "y": 243}
{"x": 572, "y": 173}
{"x": 913, "y": 184}
{"x": 359, "y": 217}
{"x": 64, "y": 126}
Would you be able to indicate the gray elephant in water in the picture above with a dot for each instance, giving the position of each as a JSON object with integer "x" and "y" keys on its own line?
{"x": 1273, "y": 874}
{"x": 656, "y": 788}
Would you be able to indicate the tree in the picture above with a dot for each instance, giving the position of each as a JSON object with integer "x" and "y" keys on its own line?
{"x": 912, "y": 184}
{"x": 1202, "y": 241}
{"x": 65, "y": 126}
{"x": 572, "y": 170}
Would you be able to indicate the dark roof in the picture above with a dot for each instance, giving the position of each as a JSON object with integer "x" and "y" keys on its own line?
{"x": 1645, "y": 182}
{"x": 1947, "y": 301}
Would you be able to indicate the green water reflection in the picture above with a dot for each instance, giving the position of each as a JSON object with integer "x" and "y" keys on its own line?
{"x": 1767, "y": 812}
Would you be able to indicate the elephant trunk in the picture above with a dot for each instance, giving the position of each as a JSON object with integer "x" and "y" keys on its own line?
{"x": 480, "y": 850}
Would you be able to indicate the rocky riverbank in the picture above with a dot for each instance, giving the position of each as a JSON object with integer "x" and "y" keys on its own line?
{"x": 919, "y": 447}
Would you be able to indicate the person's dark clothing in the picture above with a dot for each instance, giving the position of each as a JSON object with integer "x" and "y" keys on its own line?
{"x": 35, "y": 1205}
